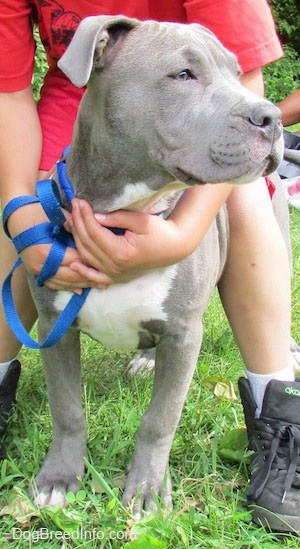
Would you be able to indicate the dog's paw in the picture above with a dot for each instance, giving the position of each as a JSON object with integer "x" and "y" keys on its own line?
{"x": 53, "y": 492}
{"x": 58, "y": 476}
{"x": 142, "y": 363}
{"x": 56, "y": 497}
{"x": 147, "y": 493}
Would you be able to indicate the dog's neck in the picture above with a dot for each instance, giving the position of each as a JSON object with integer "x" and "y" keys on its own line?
{"x": 104, "y": 170}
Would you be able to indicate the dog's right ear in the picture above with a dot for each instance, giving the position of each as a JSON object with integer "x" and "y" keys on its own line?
{"x": 92, "y": 37}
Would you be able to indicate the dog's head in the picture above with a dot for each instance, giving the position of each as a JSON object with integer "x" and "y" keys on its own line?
{"x": 167, "y": 97}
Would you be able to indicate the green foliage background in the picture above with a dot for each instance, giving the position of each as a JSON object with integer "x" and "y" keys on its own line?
{"x": 283, "y": 76}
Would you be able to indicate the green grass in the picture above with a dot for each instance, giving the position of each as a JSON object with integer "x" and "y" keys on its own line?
{"x": 208, "y": 492}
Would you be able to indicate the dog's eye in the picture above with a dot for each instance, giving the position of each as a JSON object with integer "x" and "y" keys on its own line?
{"x": 186, "y": 74}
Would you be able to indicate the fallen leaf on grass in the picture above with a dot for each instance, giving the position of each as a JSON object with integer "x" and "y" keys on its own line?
{"x": 222, "y": 388}
{"x": 21, "y": 510}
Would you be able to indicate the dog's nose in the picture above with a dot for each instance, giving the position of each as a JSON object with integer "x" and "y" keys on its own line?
{"x": 266, "y": 117}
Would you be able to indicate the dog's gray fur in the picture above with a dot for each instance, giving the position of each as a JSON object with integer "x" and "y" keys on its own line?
{"x": 143, "y": 123}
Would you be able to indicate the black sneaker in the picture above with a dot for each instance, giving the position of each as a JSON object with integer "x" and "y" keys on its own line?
{"x": 8, "y": 389}
{"x": 274, "y": 438}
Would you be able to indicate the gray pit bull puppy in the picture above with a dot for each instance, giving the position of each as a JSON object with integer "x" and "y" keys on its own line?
{"x": 163, "y": 110}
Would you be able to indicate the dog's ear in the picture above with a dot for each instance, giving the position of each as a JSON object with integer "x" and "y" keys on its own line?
{"x": 92, "y": 38}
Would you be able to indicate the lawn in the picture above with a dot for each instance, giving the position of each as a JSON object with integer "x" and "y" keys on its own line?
{"x": 208, "y": 489}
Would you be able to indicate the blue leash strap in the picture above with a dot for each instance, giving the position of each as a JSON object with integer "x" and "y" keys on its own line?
{"x": 63, "y": 178}
{"x": 39, "y": 234}
{"x": 51, "y": 232}
{"x": 48, "y": 194}
{"x": 58, "y": 330}
{"x": 13, "y": 205}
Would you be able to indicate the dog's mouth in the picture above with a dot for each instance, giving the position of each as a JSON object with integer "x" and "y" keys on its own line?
{"x": 187, "y": 177}
{"x": 237, "y": 175}
{"x": 241, "y": 177}
{"x": 273, "y": 162}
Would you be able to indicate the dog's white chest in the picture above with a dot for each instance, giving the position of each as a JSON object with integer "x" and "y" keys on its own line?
{"x": 114, "y": 316}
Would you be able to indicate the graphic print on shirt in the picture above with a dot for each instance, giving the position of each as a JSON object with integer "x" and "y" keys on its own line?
{"x": 63, "y": 25}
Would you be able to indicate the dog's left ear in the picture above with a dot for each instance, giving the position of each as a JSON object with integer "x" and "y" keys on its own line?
{"x": 93, "y": 36}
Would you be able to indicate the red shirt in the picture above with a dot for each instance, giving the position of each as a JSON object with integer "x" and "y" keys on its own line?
{"x": 243, "y": 26}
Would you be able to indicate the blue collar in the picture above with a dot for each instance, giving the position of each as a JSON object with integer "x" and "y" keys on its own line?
{"x": 67, "y": 187}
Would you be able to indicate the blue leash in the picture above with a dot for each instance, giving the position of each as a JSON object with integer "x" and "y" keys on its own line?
{"x": 51, "y": 232}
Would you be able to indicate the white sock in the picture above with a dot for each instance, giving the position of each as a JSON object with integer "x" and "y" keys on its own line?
{"x": 4, "y": 367}
{"x": 259, "y": 382}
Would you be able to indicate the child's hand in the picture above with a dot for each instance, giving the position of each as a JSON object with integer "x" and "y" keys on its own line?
{"x": 149, "y": 242}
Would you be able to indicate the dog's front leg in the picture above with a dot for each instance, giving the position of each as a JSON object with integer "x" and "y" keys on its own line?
{"x": 176, "y": 358}
{"x": 63, "y": 467}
